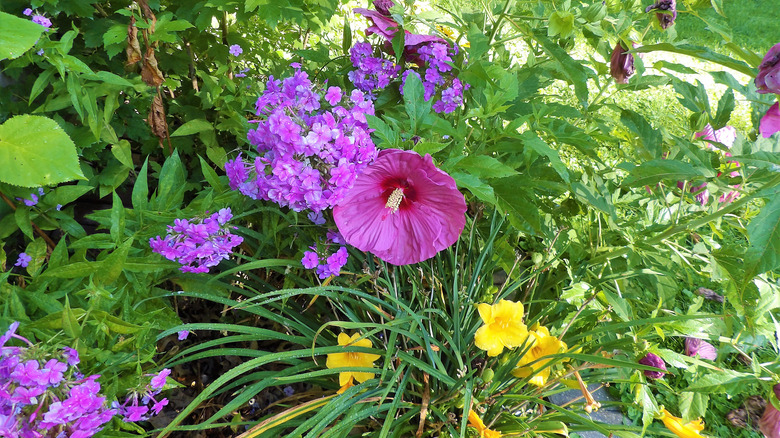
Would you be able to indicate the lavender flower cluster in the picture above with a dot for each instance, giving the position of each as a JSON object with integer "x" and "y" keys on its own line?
{"x": 141, "y": 404}
{"x": 322, "y": 260}
{"x": 373, "y": 74}
{"x": 439, "y": 77}
{"x": 198, "y": 244}
{"x": 40, "y": 397}
{"x": 37, "y": 18}
{"x": 309, "y": 155}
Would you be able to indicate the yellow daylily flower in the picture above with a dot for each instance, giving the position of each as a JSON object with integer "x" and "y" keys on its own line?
{"x": 503, "y": 327}
{"x": 542, "y": 344}
{"x": 675, "y": 424}
{"x": 477, "y": 423}
{"x": 352, "y": 360}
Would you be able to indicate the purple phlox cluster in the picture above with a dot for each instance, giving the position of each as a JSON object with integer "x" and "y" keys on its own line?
{"x": 438, "y": 77}
{"x": 236, "y": 50}
{"x": 43, "y": 21}
{"x": 325, "y": 262}
{"x": 665, "y": 19}
{"x": 308, "y": 154}
{"x": 198, "y": 244}
{"x": 34, "y": 198}
{"x": 653, "y": 360}
{"x": 47, "y": 396}
{"x": 23, "y": 260}
{"x": 142, "y": 403}
{"x": 373, "y": 74}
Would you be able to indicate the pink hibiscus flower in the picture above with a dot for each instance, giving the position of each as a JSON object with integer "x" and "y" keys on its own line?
{"x": 402, "y": 208}
{"x": 770, "y": 123}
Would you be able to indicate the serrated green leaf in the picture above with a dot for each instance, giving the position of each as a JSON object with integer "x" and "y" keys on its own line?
{"x": 532, "y": 142}
{"x": 483, "y": 166}
{"x": 763, "y": 254}
{"x": 35, "y": 151}
{"x": 17, "y": 36}
{"x": 414, "y": 103}
{"x": 561, "y": 23}
{"x": 193, "y": 127}
{"x": 479, "y": 188}
{"x": 655, "y": 171}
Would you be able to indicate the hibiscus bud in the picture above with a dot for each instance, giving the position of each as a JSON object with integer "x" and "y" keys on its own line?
{"x": 770, "y": 421}
{"x": 768, "y": 78}
{"x": 653, "y": 360}
{"x": 704, "y": 349}
{"x": 383, "y": 6}
{"x": 664, "y": 19}
{"x": 621, "y": 64}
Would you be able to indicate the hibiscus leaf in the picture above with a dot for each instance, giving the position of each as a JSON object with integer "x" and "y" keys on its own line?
{"x": 764, "y": 233}
{"x": 416, "y": 107}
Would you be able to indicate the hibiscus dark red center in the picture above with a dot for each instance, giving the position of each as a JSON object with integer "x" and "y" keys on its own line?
{"x": 398, "y": 194}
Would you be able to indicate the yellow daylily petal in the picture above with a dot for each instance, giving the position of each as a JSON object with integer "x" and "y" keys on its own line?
{"x": 675, "y": 424}
{"x": 503, "y": 327}
{"x": 485, "y": 312}
{"x": 352, "y": 360}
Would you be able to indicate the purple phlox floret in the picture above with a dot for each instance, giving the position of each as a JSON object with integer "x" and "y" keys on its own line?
{"x": 317, "y": 217}
{"x": 27, "y": 373}
{"x": 158, "y": 381}
{"x": 158, "y": 406}
{"x": 23, "y": 260}
{"x": 52, "y": 373}
{"x": 25, "y": 395}
{"x": 43, "y": 21}
{"x": 310, "y": 260}
{"x": 333, "y": 96}
{"x": 27, "y": 12}
{"x": 71, "y": 356}
{"x": 438, "y": 77}
{"x": 288, "y": 391}
{"x": 8, "y": 333}
{"x": 335, "y": 237}
{"x": 182, "y": 335}
{"x": 236, "y": 50}
{"x": 135, "y": 413}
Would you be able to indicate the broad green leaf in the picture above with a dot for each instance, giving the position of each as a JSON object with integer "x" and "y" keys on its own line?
{"x": 574, "y": 71}
{"x": 35, "y": 151}
{"x": 725, "y": 107}
{"x": 648, "y": 138}
{"x": 476, "y": 186}
{"x": 523, "y": 214}
{"x": 693, "y": 405}
{"x": 140, "y": 195}
{"x": 658, "y": 170}
{"x": 532, "y": 142}
{"x": 484, "y": 166}
{"x": 414, "y": 103}
{"x": 561, "y": 23}
{"x": 478, "y": 41}
{"x": 425, "y": 147}
{"x": 17, "y": 35}
{"x": 123, "y": 153}
{"x": 193, "y": 127}
{"x": 114, "y": 264}
{"x": 763, "y": 254}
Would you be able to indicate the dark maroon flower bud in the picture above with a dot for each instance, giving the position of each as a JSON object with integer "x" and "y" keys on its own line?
{"x": 621, "y": 64}
{"x": 383, "y": 6}
{"x": 653, "y": 360}
{"x": 665, "y": 19}
{"x": 709, "y": 294}
{"x": 770, "y": 421}
{"x": 768, "y": 78}
{"x": 704, "y": 349}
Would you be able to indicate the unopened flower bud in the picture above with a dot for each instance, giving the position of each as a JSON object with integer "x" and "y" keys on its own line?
{"x": 653, "y": 360}
{"x": 383, "y": 6}
{"x": 621, "y": 64}
{"x": 768, "y": 78}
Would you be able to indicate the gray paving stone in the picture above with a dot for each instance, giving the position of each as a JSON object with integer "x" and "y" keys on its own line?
{"x": 607, "y": 414}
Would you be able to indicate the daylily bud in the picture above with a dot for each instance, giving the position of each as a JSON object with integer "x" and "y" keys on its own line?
{"x": 621, "y": 64}
{"x": 704, "y": 349}
{"x": 664, "y": 19}
{"x": 653, "y": 360}
{"x": 768, "y": 78}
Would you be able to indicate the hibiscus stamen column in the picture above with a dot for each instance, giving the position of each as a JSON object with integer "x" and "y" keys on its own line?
{"x": 394, "y": 200}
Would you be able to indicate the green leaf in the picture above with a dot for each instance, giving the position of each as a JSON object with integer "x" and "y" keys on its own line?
{"x": 532, "y": 142}
{"x": 122, "y": 153}
{"x": 416, "y": 106}
{"x": 484, "y": 166}
{"x": 523, "y": 214}
{"x": 476, "y": 186}
{"x": 649, "y": 138}
{"x": 17, "y": 35}
{"x": 693, "y": 405}
{"x": 346, "y": 42}
{"x": 658, "y": 170}
{"x": 478, "y": 41}
{"x": 763, "y": 254}
{"x": 574, "y": 72}
{"x": 211, "y": 176}
{"x": 140, "y": 195}
{"x": 561, "y": 23}
{"x": 35, "y": 151}
{"x": 425, "y": 147}
{"x": 725, "y": 107}
{"x": 382, "y": 131}
{"x": 170, "y": 190}
{"x": 193, "y": 127}
{"x": 113, "y": 265}
{"x": 700, "y": 53}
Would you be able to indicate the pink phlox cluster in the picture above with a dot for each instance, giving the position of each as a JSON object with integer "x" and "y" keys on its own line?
{"x": 40, "y": 397}
{"x": 322, "y": 260}
{"x": 308, "y": 154}
{"x": 141, "y": 404}
{"x": 372, "y": 73}
{"x": 198, "y": 244}
{"x": 438, "y": 79}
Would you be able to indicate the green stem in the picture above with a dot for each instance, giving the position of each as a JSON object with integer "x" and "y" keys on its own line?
{"x": 686, "y": 226}
{"x": 497, "y": 25}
